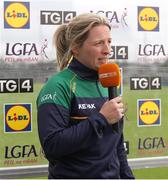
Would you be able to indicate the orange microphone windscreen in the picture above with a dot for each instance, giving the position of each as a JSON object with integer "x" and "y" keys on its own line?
{"x": 109, "y": 75}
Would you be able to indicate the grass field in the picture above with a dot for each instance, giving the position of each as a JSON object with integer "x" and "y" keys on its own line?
{"x": 151, "y": 173}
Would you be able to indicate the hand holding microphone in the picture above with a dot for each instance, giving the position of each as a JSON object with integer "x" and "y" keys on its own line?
{"x": 113, "y": 110}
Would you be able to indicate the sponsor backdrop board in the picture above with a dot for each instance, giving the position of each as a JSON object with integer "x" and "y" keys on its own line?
{"x": 27, "y": 60}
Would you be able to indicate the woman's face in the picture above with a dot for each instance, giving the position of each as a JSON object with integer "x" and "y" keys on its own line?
{"x": 96, "y": 48}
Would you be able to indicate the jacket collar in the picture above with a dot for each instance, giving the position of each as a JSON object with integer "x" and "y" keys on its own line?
{"x": 82, "y": 71}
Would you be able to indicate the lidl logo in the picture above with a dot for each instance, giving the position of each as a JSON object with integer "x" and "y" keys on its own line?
{"x": 17, "y": 118}
{"x": 149, "y": 112}
{"x": 16, "y": 15}
{"x": 148, "y": 18}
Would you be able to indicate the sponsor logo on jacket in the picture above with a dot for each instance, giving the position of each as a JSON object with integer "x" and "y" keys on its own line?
{"x": 86, "y": 106}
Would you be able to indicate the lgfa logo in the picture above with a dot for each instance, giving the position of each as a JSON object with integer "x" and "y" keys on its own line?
{"x": 149, "y": 112}
{"x": 17, "y": 118}
{"x": 16, "y": 15}
{"x": 148, "y": 18}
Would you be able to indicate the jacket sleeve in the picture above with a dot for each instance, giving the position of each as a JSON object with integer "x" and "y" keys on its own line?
{"x": 58, "y": 139}
{"x": 125, "y": 170}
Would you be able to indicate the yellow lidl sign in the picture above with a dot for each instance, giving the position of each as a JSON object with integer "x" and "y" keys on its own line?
{"x": 16, "y": 15}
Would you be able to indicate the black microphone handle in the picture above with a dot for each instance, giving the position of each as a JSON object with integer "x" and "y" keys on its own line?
{"x": 112, "y": 92}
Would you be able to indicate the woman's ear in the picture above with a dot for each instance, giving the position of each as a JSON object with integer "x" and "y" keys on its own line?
{"x": 75, "y": 51}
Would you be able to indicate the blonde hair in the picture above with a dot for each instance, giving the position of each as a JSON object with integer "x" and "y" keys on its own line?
{"x": 73, "y": 34}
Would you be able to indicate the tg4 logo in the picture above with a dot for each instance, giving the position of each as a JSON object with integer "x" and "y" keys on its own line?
{"x": 16, "y": 85}
{"x": 145, "y": 83}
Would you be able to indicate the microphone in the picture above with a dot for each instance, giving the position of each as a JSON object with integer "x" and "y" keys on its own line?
{"x": 109, "y": 77}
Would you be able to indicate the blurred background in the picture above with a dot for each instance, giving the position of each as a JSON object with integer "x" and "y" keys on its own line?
{"x": 27, "y": 60}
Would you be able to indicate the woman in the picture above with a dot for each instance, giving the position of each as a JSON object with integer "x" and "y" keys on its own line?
{"x": 75, "y": 116}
